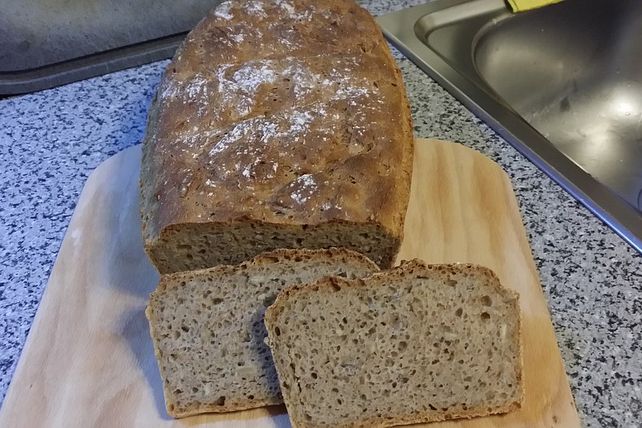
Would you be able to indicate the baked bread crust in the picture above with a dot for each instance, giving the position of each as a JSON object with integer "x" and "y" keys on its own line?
{"x": 287, "y": 114}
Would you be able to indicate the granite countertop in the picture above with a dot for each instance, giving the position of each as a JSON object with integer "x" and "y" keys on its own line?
{"x": 52, "y": 140}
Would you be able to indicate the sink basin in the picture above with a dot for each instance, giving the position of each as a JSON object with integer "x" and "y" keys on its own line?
{"x": 563, "y": 84}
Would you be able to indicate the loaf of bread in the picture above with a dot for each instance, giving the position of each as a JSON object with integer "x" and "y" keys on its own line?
{"x": 414, "y": 344}
{"x": 208, "y": 332}
{"x": 278, "y": 124}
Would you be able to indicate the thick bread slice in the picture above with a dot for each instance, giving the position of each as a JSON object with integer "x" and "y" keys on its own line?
{"x": 208, "y": 332}
{"x": 417, "y": 343}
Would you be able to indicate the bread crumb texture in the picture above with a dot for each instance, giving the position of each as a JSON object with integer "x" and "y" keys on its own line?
{"x": 415, "y": 344}
{"x": 208, "y": 332}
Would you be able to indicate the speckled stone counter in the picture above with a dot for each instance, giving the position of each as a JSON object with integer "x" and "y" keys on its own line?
{"x": 52, "y": 140}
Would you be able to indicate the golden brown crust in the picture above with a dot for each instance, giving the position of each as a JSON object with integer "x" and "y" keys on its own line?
{"x": 300, "y": 120}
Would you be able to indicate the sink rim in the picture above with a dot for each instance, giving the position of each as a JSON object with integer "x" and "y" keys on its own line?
{"x": 400, "y": 28}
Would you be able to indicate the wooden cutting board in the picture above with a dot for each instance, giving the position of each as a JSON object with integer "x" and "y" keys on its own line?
{"x": 88, "y": 360}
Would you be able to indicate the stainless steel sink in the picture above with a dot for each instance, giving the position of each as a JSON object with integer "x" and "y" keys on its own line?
{"x": 563, "y": 84}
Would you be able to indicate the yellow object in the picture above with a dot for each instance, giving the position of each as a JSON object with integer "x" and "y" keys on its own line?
{"x": 522, "y": 5}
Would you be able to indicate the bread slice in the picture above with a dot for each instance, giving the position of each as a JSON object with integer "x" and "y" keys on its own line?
{"x": 208, "y": 332}
{"x": 418, "y": 343}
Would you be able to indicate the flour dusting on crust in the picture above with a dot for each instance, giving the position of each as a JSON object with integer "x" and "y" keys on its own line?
{"x": 304, "y": 187}
{"x": 291, "y": 11}
{"x": 257, "y": 138}
{"x": 224, "y": 11}
{"x": 276, "y": 130}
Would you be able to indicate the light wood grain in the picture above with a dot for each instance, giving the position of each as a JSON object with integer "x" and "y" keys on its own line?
{"x": 88, "y": 360}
